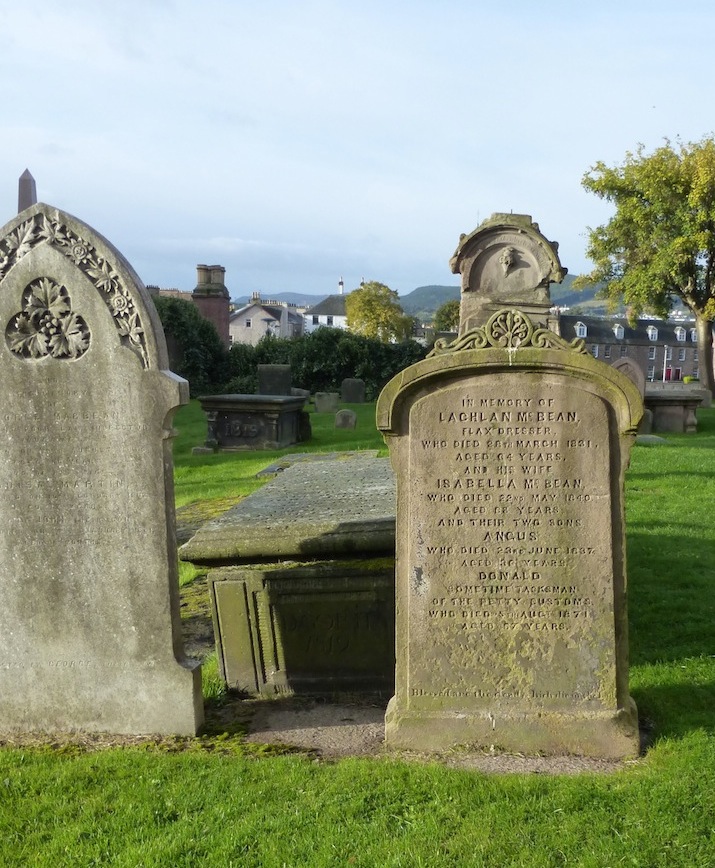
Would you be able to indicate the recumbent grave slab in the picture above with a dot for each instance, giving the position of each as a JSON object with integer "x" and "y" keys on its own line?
{"x": 301, "y": 577}
{"x": 510, "y": 448}
{"x": 89, "y": 625}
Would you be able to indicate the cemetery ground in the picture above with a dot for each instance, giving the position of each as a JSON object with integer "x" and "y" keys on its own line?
{"x": 216, "y": 800}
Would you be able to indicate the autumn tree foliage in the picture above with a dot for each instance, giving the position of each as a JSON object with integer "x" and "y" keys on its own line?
{"x": 374, "y": 311}
{"x": 660, "y": 243}
{"x": 446, "y": 317}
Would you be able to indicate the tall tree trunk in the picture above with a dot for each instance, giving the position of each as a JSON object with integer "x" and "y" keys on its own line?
{"x": 705, "y": 351}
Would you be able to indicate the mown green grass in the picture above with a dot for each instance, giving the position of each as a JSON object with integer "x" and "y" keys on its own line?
{"x": 213, "y": 477}
{"x": 215, "y": 804}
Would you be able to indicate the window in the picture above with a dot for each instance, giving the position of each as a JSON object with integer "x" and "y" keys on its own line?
{"x": 680, "y": 333}
{"x": 695, "y": 355}
{"x": 618, "y": 331}
{"x": 624, "y": 351}
{"x": 607, "y": 351}
{"x": 696, "y": 373}
{"x": 681, "y": 355}
{"x": 581, "y": 330}
{"x": 694, "y": 335}
{"x": 669, "y": 353}
{"x": 652, "y": 333}
{"x": 651, "y": 372}
{"x": 651, "y": 352}
{"x": 316, "y": 319}
{"x": 594, "y": 350}
{"x": 248, "y": 322}
{"x": 329, "y": 320}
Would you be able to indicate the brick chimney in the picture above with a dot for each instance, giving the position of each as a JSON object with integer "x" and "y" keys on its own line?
{"x": 212, "y": 298}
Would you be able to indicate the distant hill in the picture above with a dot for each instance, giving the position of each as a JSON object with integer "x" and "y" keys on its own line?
{"x": 424, "y": 301}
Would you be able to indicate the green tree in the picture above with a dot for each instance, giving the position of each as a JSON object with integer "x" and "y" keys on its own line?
{"x": 446, "y": 317}
{"x": 196, "y": 351}
{"x": 660, "y": 244}
{"x": 374, "y": 311}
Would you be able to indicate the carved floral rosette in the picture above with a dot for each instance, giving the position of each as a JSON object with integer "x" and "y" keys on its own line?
{"x": 23, "y": 334}
{"x": 509, "y": 329}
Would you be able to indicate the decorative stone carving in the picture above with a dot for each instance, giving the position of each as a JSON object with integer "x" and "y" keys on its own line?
{"x": 47, "y": 227}
{"x": 47, "y": 325}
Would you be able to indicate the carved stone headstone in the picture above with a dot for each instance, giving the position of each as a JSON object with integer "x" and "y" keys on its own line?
{"x": 510, "y": 447}
{"x": 505, "y": 262}
{"x": 89, "y": 623}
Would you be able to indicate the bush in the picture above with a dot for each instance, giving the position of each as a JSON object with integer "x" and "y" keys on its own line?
{"x": 322, "y": 360}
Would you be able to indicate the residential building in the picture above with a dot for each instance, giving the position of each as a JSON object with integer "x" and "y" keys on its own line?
{"x": 665, "y": 350}
{"x": 260, "y": 317}
{"x": 329, "y": 312}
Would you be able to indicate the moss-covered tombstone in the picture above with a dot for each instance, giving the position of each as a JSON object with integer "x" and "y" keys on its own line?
{"x": 510, "y": 448}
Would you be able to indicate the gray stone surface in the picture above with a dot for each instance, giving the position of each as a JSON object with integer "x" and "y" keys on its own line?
{"x": 322, "y": 508}
{"x": 352, "y": 391}
{"x": 326, "y": 402}
{"x": 89, "y": 625}
{"x": 345, "y": 419}
{"x": 275, "y": 380}
{"x": 510, "y": 448}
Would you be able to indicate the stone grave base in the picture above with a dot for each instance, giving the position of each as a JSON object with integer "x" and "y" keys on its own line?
{"x": 305, "y": 628}
{"x": 603, "y": 735}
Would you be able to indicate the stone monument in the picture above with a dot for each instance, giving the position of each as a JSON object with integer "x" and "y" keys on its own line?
{"x": 275, "y": 380}
{"x": 89, "y": 624}
{"x": 510, "y": 447}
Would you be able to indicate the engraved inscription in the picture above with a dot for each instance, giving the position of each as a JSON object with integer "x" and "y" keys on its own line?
{"x": 513, "y": 515}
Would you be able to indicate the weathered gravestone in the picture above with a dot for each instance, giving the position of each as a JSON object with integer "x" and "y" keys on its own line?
{"x": 89, "y": 623}
{"x": 510, "y": 448}
{"x": 274, "y": 380}
{"x": 346, "y": 419}
{"x": 352, "y": 391}
{"x": 326, "y": 402}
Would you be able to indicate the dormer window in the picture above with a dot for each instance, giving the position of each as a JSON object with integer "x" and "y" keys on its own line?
{"x": 652, "y": 333}
{"x": 694, "y": 335}
{"x": 680, "y": 333}
{"x": 618, "y": 331}
{"x": 581, "y": 330}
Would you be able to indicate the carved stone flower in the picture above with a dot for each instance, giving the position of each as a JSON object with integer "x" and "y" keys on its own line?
{"x": 120, "y": 304}
{"x": 78, "y": 251}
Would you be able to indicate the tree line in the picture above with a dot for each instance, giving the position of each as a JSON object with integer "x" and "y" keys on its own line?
{"x": 319, "y": 361}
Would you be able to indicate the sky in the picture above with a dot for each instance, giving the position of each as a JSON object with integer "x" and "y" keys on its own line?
{"x": 296, "y": 143}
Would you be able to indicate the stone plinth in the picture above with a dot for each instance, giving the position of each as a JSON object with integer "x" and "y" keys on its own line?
{"x": 510, "y": 448}
{"x": 237, "y": 422}
{"x": 325, "y": 619}
{"x": 90, "y": 635}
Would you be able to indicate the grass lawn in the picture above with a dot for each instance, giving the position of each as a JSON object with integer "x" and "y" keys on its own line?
{"x": 213, "y": 802}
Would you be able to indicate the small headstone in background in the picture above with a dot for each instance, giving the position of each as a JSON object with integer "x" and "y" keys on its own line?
{"x": 90, "y": 631}
{"x": 326, "y": 402}
{"x": 352, "y": 391}
{"x": 274, "y": 380}
{"x": 345, "y": 419}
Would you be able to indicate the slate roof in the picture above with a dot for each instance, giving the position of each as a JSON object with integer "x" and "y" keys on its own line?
{"x": 600, "y": 331}
{"x": 333, "y": 305}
